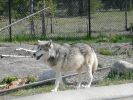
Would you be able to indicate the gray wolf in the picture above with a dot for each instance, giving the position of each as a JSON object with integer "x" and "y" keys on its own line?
{"x": 65, "y": 57}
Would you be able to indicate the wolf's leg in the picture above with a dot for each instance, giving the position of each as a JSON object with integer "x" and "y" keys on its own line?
{"x": 79, "y": 79}
{"x": 89, "y": 75}
{"x": 57, "y": 82}
{"x": 62, "y": 84}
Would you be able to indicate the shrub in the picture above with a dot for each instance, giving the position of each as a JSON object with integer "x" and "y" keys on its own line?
{"x": 118, "y": 75}
{"x": 105, "y": 51}
{"x": 100, "y": 66}
{"x": 31, "y": 79}
{"x": 9, "y": 79}
{"x": 117, "y": 38}
{"x": 130, "y": 53}
{"x": 102, "y": 40}
{"x": 120, "y": 38}
{"x": 114, "y": 39}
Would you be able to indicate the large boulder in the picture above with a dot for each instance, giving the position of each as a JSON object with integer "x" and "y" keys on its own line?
{"x": 122, "y": 66}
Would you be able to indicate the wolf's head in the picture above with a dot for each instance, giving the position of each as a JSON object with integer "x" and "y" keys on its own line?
{"x": 43, "y": 47}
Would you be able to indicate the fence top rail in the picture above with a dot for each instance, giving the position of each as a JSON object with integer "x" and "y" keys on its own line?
{"x": 10, "y": 25}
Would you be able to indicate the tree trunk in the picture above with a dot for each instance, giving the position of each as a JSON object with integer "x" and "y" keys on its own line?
{"x": 43, "y": 24}
{"x": 43, "y": 20}
{"x": 70, "y": 9}
{"x": 80, "y": 2}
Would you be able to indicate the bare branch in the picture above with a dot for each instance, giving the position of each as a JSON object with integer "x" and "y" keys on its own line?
{"x": 14, "y": 56}
{"x": 27, "y": 50}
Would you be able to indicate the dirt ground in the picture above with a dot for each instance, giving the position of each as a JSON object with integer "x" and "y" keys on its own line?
{"x": 20, "y": 67}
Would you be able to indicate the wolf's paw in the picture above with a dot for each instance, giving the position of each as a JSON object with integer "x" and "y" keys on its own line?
{"x": 54, "y": 90}
{"x": 78, "y": 87}
{"x": 86, "y": 86}
{"x": 63, "y": 88}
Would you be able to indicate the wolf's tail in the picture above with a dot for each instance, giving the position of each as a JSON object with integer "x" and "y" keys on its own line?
{"x": 95, "y": 64}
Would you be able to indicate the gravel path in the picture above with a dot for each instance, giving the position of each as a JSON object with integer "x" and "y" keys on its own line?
{"x": 20, "y": 67}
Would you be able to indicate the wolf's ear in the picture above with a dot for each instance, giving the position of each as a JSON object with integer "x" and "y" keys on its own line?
{"x": 50, "y": 42}
{"x": 39, "y": 41}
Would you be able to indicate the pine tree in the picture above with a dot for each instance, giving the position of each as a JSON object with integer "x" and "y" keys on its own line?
{"x": 95, "y": 4}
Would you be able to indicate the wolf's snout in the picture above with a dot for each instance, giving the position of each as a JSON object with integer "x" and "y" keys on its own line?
{"x": 52, "y": 57}
{"x": 34, "y": 54}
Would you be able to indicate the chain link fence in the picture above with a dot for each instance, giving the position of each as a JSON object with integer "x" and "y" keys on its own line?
{"x": 36, "y": 19}
{"x": 68, "y": 18}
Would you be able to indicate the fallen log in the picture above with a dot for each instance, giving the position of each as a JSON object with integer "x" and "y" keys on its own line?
{"x": 13, "y": 56}
{"x": 27, "y": 50}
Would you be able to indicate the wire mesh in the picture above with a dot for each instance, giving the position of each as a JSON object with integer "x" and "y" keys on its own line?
{"x": 67, "y": 18}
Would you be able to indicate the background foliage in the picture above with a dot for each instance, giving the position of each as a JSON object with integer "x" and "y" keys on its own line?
{"x": 21, "y": 8}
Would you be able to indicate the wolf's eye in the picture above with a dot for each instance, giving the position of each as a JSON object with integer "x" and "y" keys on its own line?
{"x": 46, "y": 48}
{"x": 39, "y": 47}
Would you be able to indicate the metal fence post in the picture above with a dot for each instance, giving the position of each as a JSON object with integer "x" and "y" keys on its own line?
{"x": 51, "y": 24}
{"x": 89, "y": 20}
{"x": 9, "y": 12}
{"x": 43, "y": 20}
{"x": 43, "y": 25}
{"x": 126, "y": 15}
{"x": 32, "y": 19}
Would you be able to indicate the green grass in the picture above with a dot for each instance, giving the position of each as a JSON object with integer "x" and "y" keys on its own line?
{"x": 107, "y": 82}
{"x": 121, "y": 38}
{"x": 35, "y": 90}
{"x": 31, "y": 91}
{"x": 93, "y": 39}
{"x": 8, "y": 79}
{"x": 119, "y": 75}
{"x": 100, "y": 66}
{"x": 110, "y": 22}
{"x": 48, "y": 88}
{"x": 105, "y": 51}
{"x": 117, "y": 78}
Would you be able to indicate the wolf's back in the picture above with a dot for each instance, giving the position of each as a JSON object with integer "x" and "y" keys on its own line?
{"x": 87, "y": 50}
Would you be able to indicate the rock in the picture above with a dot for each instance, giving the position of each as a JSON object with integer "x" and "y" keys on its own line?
{"x": 122, "y": 66}
{"x": 48, "y": 74}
